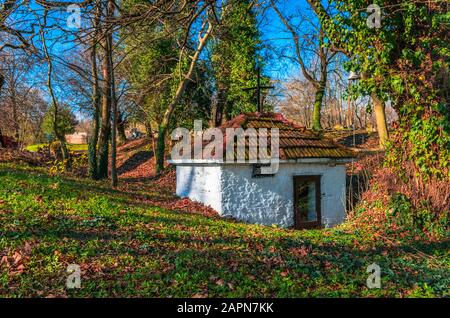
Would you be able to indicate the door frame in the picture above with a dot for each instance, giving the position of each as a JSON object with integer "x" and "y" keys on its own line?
{"x": 298, "y": 223}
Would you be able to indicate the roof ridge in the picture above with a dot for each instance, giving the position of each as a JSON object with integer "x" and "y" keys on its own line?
{"x": 295, "y": 141}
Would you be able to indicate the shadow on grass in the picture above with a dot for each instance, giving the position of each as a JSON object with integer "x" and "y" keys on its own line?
{"x": 135, "y": 145}
{"x": 135, "y": 161}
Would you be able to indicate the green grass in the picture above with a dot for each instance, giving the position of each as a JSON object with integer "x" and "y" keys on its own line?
{"x": 129, "y": 249}
{"x": 71, "y": 147}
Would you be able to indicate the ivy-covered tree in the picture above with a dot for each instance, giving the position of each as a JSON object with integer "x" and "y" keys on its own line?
{"x": 167, "y": 75}
{"x": 65, "y": 122}
{"x": 150, "y": 69}
{"x": 401, "y": 49}
{"x": 312, "y": 56}
{"x": 235, "y": 55}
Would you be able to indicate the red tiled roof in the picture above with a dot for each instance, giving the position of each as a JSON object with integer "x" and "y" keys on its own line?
{"x": 295, "y": 142}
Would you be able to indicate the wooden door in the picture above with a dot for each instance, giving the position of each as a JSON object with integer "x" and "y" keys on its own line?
{"x": 307, "y": 199}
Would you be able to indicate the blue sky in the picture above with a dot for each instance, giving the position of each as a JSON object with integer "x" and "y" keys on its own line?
{"x": 273, "y": 34}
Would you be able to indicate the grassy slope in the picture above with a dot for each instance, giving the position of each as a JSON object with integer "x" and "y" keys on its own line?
{"x": 127, "y": 249}
{"x": 71, "y": 147}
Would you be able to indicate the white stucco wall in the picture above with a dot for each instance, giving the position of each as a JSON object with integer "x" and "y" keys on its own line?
{"x": 231, "y": 191}
{"x": 201, "y": 184}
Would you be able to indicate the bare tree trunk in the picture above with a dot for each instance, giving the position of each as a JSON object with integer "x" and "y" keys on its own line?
{"x": 114, "y": 180}
{"x": 60, "y": 136}
{"x": 121, "y": 127}
{"x": 1, "y": 139}
{"x": 162, "y": 130}
{"x": 152, "y": 135}
{"x": 339, "y": 106}
{"x": 15, "y": 113}
{"x": 349, "y": 112}
{"x": 2, "y": 81}
{"x": 358, "y": 117}
{"x": 93, "y": 169}
{"x": 221, "y": 107}
{"x": 380, "y": 116}
{"x": 105, "y": 128}
{"x": 319, "y": 84}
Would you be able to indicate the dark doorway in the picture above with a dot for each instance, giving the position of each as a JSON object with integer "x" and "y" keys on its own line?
{"x": 307, "y": 198}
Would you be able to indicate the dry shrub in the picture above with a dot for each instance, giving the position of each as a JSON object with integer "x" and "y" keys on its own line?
{"x": 400, "y": 203}
{"x": 359, "y": 176}
{"x": 431, "y": 193}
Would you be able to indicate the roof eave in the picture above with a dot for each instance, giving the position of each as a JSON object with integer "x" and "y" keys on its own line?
{"x": 299, "y": 160}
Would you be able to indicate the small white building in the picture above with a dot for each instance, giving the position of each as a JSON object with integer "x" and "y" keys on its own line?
{"x": 307, "y": 191}
{"x": 77, "y": 138}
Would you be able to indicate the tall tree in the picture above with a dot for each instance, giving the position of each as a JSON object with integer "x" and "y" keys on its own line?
{"x": 114, "y": 180}
{"x": 235, "y": 57}
{"x": 95, "y": 39}
{"x": 309, "y": 39}
{"x": 96, "y": 94}
{"x": 12, "y": 37}
{"x": 108, "y": 93}
{"x": 16, "y": 70}
{"x": 164, "y": 64}
{"x": 59, "y": 133}
{"x": 338, "y": 40}
{"x": 404, "y": 58}
{"x": 205, "y": 32}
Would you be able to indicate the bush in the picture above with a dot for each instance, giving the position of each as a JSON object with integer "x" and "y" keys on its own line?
{"x": 76, "y": 165}
{"x": 401, "y": 204}
{"x": 416, "y": 221}
{"x": 55, "y": 150}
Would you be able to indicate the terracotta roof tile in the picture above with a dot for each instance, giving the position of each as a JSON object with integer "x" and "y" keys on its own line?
{"x": 296, "y": 142}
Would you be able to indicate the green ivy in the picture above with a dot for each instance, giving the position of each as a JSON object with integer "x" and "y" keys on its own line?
{"x": 406, "y": 61}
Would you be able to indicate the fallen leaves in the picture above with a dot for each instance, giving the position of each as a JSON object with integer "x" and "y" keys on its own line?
{"x": 221, "y": 282}
{"x": 4, "y": 260}
{"x": 301, "y": 251}
{"x": 61, "y": 295}
{"x": 17, "y": 257}
{"x": 284, "y": 273}
{"x": 14, "y": 263}
{"x": 27, "y": 248}
{"x": 19, "y": 156}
